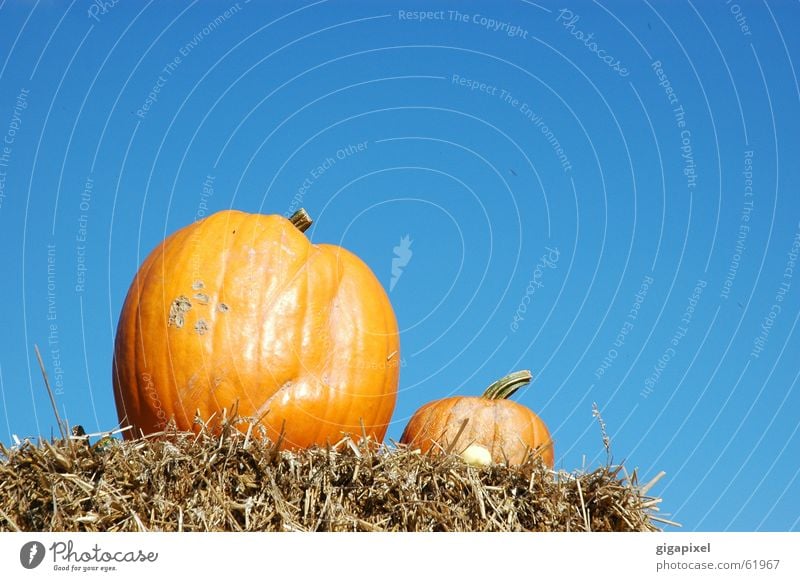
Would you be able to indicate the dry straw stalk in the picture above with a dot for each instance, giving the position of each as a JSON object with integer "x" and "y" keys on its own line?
{"x": 235, "y": 481}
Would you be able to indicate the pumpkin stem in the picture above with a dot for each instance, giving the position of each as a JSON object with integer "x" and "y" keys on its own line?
{"x": 505, "y": 387}
{"x": 301, "y": 220}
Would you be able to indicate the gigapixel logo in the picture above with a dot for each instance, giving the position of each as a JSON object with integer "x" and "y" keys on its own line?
{"x": 402, "y": 256}
{"x": 31, "y": 554}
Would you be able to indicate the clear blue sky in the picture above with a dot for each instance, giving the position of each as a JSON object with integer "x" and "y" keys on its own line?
{"x": 606, "y": 194}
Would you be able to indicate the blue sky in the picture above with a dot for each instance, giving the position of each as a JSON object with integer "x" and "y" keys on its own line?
{"x": 602, "y": 192}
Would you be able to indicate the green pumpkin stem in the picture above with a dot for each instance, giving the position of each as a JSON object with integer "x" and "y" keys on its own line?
{"x": 505, "y": 387}
{"x": 301, "y": 220}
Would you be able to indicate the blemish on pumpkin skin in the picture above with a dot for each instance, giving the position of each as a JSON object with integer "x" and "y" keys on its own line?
{"x": 201, "y": 297}
{"x": 223, "y": 308}
{"x": 177, "y": 309}
{"x": 201, "y": 327}
{"x": 197, "y": 285}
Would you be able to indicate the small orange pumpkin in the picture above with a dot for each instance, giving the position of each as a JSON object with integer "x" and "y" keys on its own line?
{"x": 507, "y": 429}
{"x": 241, "y": 310}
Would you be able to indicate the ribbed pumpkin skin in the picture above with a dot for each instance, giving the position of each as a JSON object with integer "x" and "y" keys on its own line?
{"x": 302, "y": 333}
{"x": 505, "y": 428}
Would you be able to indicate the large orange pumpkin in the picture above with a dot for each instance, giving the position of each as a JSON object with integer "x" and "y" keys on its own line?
{"x": 240, "y": 311}
{"x": 507, "y": 429}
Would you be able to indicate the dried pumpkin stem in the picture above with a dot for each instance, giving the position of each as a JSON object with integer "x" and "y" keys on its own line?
{"x": 505, "y": 387}
{"x": 301, "y": 220}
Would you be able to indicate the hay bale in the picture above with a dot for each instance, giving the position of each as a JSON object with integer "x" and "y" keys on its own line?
{"x": 179, "y": 481}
